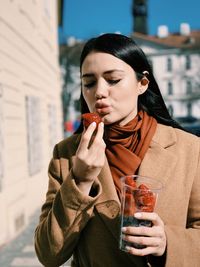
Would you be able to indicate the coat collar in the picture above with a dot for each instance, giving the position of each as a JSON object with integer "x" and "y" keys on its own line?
{"x": 165, "y": 136}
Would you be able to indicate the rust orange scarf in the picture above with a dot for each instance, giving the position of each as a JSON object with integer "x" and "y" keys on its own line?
{"x": 126, "y": 145}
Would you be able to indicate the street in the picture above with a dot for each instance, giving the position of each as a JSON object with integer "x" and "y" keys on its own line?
{"x": 20, "y": 251}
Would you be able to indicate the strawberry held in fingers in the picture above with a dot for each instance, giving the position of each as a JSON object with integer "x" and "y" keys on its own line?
{"x": 88, "y": 118}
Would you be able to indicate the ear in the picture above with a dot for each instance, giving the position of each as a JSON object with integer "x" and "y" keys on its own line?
{"x": 143, "y": 85}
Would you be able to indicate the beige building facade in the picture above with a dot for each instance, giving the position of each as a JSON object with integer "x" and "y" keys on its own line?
{"x": 30, "y": 108}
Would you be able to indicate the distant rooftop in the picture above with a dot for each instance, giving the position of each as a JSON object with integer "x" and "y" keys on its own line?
{"x": 174, "y": 40}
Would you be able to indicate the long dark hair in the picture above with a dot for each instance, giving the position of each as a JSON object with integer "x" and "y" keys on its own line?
{"x": 127, "y": 50}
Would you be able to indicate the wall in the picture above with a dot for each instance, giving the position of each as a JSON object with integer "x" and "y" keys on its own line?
{"x": 30, "y": 108}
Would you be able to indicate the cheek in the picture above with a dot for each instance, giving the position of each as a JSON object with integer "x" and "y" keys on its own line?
{"x": 89, "y": 98}
{"x": 128, "y": 102}
{"x": 130, "y": 93}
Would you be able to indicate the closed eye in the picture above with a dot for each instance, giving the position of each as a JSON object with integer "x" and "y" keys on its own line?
{"x": 93, "y": 83}
{"x": 112, "y": 82}
{"x": 89, "y": 84}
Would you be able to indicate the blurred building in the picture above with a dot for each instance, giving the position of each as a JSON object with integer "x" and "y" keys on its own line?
{"x": 175, "y": 62}
{"x": 69, "y": 61}
{"x": 30, "y": 108}
{"x": 70, "y": 49}
{"x": 175, "y": 59}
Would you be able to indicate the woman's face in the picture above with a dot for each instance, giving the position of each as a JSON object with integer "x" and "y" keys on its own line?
{"x": 110, "y": 87}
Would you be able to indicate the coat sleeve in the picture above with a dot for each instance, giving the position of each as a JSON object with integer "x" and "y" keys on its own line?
{"x": 183, "y": 244}
{"x": 64, "y": 214}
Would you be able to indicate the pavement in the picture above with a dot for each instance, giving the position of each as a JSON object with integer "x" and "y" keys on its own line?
{"x": 20, "y": 251}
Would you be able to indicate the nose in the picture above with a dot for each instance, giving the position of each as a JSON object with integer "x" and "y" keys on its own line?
{"x": 101, "y": 90}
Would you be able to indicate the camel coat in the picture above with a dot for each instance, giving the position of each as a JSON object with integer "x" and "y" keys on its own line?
{"x": 87, "y": 227}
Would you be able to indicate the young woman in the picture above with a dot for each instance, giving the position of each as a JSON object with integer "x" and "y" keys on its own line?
{"x": 81, "y": 215}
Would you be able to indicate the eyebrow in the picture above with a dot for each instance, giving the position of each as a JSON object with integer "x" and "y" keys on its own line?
{"x": 87, "y": 75}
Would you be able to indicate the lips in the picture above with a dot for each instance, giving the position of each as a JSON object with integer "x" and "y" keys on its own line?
{"x": 101, "y": 105}
{"x": 102, "y": 108}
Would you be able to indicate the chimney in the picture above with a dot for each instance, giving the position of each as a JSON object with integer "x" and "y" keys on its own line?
{"x": 162, "y": 31}
{"x": 184, "y": 29}
{"x": 71, "y": 41}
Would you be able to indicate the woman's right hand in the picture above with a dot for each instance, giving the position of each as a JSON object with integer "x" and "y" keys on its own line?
{"x": 90, "y": 157}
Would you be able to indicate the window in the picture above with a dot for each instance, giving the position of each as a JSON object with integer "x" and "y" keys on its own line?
{"x": 34, "y": 134}
{"x": 171, "y": 110}
{"x": 187, "y": 62}
{"x": 19, "y": 222}
{"x": 170, "y": 88}
{"x": 189, "y": 109}
{"x": 188, "y": 87}
{"x": 169, "y": 64}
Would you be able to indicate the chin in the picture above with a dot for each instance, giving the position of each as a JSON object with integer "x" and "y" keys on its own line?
{"x": 109, "y": 120}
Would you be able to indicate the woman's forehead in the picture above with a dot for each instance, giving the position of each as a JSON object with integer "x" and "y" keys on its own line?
{"x": 103, "y": 61}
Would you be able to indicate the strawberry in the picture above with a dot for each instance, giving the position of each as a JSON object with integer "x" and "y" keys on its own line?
{"x": 88, "y": 118}
{"x": 143, "y": 187}
{"x": 130, "y": 182}
{"x": 145, "y": 199}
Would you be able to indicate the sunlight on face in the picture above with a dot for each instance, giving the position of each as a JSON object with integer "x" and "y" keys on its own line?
{"x": 110, "y": 87}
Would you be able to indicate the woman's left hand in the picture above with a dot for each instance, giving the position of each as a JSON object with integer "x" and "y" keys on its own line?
{"x": 153, "y": 238}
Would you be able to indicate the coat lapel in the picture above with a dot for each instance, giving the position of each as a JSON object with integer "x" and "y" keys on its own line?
{"x": 160, "y": 160}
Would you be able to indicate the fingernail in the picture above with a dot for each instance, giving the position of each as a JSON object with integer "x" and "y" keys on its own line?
{"x": 127, "y": 248}
{"x": 123, "y": 229}
{"x": 94, "y": 123}
{"x": 138, "y": 215}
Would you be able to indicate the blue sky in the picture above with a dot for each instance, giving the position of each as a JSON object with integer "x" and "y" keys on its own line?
{"x": 87, "y": 18}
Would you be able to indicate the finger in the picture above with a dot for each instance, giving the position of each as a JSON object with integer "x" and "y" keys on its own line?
{"x": 142, "y": 240}
{"x": 140, "y": 231}
{"x": 151, "y": 216}
{"x": 98, "y": 144}
{"x": 100, "y": 131}
{"x": 86, "y": 136}
{"x": 140, "y": 252}
{"x": 154, "y": 231}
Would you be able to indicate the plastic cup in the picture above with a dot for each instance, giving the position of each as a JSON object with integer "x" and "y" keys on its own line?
{"x": 139, "y": 194}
